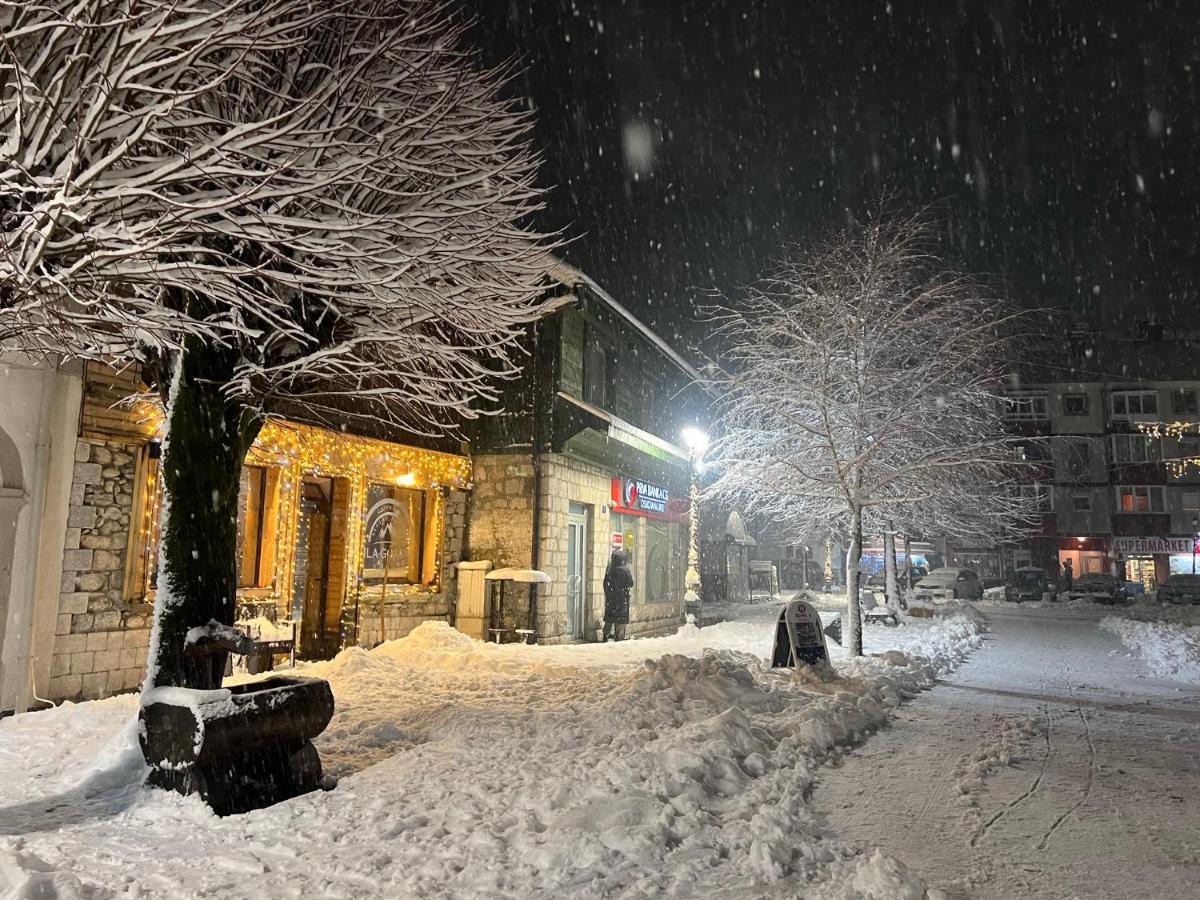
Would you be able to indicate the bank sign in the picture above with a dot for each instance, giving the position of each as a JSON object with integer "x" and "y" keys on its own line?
{"x": 640, "y": 496}
{"x": 1129, "y": 545}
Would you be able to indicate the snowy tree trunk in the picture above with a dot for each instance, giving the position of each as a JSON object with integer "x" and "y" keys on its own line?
{"x": 907, "y": 563}
{"x": 854, "y": 640}
{"x": 207, "y": 439}
{"x": 889, "y": 567}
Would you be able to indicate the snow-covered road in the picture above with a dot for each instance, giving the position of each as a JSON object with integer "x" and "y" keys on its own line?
{"x": 676, "y": 766}
{"x": 1052, "y": 764}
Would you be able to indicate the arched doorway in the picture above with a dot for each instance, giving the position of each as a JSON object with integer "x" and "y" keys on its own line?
{"x": 12, "y": 498}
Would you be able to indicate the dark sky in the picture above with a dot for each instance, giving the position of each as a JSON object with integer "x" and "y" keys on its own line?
{"x": 687, "y": 139}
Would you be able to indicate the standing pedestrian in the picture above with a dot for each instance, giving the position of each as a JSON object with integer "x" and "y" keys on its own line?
{"x": 618, "y": 582}
{"x": 1068, "y": 577}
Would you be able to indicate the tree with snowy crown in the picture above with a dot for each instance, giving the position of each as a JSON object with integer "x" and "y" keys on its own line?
{"x": 860, "y": 383}
{"x": 275, "y": 207}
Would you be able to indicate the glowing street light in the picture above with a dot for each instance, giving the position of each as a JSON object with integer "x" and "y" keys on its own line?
{"x": 696, "y": 442}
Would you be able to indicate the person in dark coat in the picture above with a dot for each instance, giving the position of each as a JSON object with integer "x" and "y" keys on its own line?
{"x": 618, "y": 582}
{"x": 1068, "y": 576}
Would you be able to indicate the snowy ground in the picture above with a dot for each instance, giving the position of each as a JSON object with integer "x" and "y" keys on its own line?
{"x": 677, "y": 766}
{"x": 1054, "y": 764}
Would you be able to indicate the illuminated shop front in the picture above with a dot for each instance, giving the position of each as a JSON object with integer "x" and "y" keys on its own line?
{"x": 340, "y": 535}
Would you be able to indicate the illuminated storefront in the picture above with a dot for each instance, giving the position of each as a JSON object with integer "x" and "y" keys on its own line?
{"x": 344, "y": 536}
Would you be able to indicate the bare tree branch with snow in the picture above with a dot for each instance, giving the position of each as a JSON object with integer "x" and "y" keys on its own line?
{"x": 861, "y": 383}
{"x": 311, "y": 209}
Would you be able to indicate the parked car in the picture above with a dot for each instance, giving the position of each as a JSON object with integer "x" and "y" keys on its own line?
{"x": 1028, "y": 583}
{"x": 950, "y": 583}
{"x": 1099, "y": 586}
{"x": 1180, "y": 589}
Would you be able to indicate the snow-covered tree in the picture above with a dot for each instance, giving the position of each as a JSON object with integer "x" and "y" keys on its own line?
{"x": 278, "y": 207}
{"x": 860, "y": 382}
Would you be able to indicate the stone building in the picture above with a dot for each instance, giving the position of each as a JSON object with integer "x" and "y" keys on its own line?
{"x": 586, "y": 459}
{"x": 342, "y": 539}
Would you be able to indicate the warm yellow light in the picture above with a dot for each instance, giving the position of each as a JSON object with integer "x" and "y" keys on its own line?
{"x": 408, "y": 479}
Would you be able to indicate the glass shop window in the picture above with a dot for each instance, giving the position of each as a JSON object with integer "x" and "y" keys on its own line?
{"x": 394, "y": 538}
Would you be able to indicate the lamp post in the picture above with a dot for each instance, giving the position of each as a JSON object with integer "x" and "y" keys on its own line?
{"x": 696, "y": 442}
{"x": 1195, "y": 537}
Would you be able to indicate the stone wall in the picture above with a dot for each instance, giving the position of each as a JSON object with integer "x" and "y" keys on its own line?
{"x": 101, "y": 637}
{"x": 408, "y": 606}
{"x": 502, "y": 510}
{"x": 502, "y": 527}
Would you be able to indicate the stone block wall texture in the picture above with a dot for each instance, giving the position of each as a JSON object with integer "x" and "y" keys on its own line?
{"x": 502, "y": 528}
{"x": 101, "y": 638}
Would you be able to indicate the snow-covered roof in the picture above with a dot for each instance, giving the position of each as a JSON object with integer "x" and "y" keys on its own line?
{"x": 569, "y": 276}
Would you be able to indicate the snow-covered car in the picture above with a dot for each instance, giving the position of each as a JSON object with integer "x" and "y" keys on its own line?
{"x": 950, "y": 583}
{"x": 1028, "y": 583}
{"x": 1099, "y": 586}
{"x": 1180, "y": 589}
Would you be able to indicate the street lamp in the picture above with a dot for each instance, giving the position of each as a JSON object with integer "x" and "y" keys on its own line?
{"x": 696, "y": 442}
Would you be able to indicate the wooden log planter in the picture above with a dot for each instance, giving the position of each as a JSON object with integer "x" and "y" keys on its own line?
{"x": 240, "y": 748}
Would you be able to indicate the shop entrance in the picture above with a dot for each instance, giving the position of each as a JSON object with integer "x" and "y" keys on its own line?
{"x": 1140, "y": 569}
{"x": 311, "y": 582}
{"x": 577, "y": 571}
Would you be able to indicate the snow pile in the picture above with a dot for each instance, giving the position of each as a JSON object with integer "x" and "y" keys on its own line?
{"x": 477, "y": 770}
{"x": 1171, "y": 650}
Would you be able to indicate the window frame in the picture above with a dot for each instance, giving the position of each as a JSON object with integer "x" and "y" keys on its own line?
{"x": 1083, "y": 404}
{"x": 1022, "y": 406}
{"x": 1151, "y": 491}
{"x": 1177, "y": 394}
{"x": 1126, "y": 398}
{"x": 262, "y": 574}
{"x": 1086, "y": 497}
{"x": 1152, "y": 444}
{"x": 417, "y": 531}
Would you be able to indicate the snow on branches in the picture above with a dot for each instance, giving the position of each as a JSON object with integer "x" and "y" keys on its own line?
{"x": 334, "y": 192}
{"x": 860, "y": 383}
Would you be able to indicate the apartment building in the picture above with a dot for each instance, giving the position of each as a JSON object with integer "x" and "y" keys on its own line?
{"x": 1118, "y": 463}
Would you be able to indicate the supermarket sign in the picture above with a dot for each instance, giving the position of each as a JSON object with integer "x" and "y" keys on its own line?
{"x": 1165, "y": 545}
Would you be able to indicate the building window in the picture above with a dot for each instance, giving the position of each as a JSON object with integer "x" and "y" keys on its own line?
{"x": 1124, "y": 404}
{"x": 1079, "y": 459}
{"x": 394, "y": 535}
{"x": 1075, "y": 404}
{"x": 1183, "y": 402}
{"x": 1039, "y": 492}
{"x": 1140, "y": 499}
{"x": 1135, "y": 448}
{"x": 1191, "y": 500}
{"x": 658, "y": 562}
{"x": 1081, "y": 501}
{"x": 1026, "y": 408}
{"x": 596, "y": 376}
{"x": 255, "y": 528}
{"x": 1189, "y": 446}
{"x": 141, "y": 557}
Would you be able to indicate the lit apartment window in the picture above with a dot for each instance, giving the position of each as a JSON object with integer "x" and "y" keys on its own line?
{"x": 1183, "y": 402}
{"x": 1123, "y": 404}
{"x": 1135, "y": 448}
{"x": 1140, "y": 498}
{"x": 1026, "y": 408}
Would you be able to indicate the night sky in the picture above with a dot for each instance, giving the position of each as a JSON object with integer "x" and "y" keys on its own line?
{"x": 686, "y": 140}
